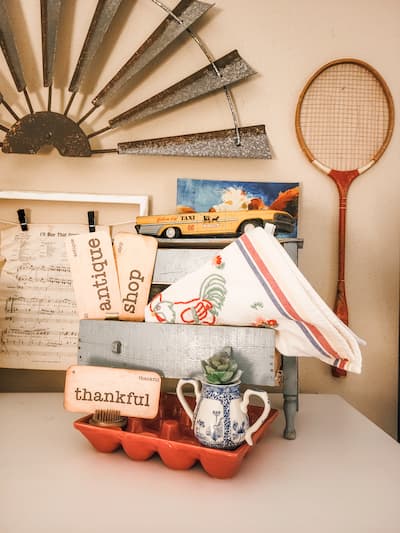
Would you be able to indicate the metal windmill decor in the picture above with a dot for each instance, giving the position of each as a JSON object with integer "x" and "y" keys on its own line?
{"x": 47, "y": 127}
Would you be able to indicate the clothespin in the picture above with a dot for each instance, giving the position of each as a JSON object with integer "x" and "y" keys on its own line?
{"x": 22, "y": 219}
{"x": 91, "y": 222}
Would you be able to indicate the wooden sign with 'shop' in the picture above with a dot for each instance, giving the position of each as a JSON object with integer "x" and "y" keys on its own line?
{"x": 135, "y": 256}
{"x": 131, "y": 392}
{"x": 94, "y": 275}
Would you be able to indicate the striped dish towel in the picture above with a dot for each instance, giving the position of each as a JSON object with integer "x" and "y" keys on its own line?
{"x": 253, "y": 282}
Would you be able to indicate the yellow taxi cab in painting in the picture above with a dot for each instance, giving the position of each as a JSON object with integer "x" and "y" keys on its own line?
{"x": 208, "y": 224}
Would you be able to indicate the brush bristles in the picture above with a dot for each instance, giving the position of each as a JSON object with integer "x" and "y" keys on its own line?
{"x": 108, "y": 417}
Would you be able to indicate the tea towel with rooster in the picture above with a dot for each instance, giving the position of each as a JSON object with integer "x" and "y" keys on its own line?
{"x": 254, "y": 282}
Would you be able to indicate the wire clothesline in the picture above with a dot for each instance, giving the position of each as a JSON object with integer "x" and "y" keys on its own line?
{"x": 111, "y": 225}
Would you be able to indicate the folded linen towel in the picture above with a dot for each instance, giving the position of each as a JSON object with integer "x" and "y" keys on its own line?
{"x": 253, "y": 281}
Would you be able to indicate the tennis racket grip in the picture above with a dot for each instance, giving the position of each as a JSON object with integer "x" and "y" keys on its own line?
{"x": 340, "y": 307}
{"x": 341, "y": 311}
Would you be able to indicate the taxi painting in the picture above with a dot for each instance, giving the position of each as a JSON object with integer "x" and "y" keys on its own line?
{"x": 200, "y": 195}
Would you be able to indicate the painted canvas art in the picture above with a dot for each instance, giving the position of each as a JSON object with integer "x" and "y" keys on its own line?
{"x": 198, "y": 195}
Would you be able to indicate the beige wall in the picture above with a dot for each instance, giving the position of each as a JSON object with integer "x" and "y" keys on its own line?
{"x": 285, "y": 41}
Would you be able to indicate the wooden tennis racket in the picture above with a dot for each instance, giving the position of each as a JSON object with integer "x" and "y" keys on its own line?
{"x": 344, "y": 122}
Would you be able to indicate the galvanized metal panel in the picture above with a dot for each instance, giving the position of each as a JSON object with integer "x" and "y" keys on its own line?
{"x": 175, "y": 350}
{"x": 231, "y": 68}
{"x": 181, "y": 256}
{"x": 253, "y": 144}
{"x": 99, "y": 26}
{"x": 188, "y": 12}
{"x": 50, "y": 11}
{"x": 173, "y": 263}
{"x": 9, "y": 48}
{"x": 195, "y": 242}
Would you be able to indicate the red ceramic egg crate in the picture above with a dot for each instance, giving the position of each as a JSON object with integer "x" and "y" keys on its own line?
{"x": 170, "y": 435}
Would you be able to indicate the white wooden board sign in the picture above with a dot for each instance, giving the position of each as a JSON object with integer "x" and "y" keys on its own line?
{"x": 132, "y": 392}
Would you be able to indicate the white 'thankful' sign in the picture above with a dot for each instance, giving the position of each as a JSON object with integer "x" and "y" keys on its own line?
{"x": 131, "y": 392}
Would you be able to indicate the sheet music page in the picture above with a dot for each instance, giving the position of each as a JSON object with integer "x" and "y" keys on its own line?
{"x": 39, "y": 323}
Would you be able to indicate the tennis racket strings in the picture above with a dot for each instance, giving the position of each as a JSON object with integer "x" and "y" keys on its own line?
{"x": 345, "y": 116}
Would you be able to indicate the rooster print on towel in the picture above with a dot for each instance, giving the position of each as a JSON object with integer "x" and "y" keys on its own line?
{"x": 203, "y": 309}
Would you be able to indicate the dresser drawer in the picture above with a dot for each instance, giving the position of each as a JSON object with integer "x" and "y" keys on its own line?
{"x": 175, "y": 350}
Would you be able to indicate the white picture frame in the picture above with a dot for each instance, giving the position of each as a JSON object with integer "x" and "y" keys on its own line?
{"x": 141, "y": 201}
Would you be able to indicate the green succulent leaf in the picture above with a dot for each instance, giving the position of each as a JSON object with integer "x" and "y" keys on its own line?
{"x": 221, "y": 368}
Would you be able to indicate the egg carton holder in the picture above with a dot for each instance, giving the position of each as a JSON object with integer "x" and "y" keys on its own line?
{"x": 170, "y": 435}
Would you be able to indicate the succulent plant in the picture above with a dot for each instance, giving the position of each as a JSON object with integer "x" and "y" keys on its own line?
{"x": 221, "y": 368}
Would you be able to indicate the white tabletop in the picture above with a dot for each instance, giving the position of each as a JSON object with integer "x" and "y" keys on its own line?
{"x": 341, "y": 474}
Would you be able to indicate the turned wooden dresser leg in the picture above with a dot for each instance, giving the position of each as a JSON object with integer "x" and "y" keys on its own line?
{"x": 290, "y": 395}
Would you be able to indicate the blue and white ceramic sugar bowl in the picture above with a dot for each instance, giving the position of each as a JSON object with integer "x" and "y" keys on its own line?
{"x": 220, "y": 418}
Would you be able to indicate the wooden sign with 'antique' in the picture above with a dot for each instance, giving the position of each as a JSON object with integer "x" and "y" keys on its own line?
{"x": 131, "y": 392}
{"x": 94, "y": 275}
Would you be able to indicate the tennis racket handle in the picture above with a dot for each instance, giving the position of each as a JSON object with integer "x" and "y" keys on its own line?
{"x": 342, "y": 312}
{"x": 338, "y": 372}
{"x": 340, "y": 308}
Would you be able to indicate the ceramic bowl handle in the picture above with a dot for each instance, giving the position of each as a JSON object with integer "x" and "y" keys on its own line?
{"x": 261, "y": 419}
{"x": 181, "y": 397}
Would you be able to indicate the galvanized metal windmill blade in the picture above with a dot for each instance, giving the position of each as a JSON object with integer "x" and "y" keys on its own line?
{"x": 223, "y": 72}
{"x": 223, "y": 143}
{"x": 181, "y": 18}
{"x": 249, "y": 142}
{"x": 10, "y": 52}
{"x": 36, "y": 129}
{"x": 9, "y": 109}
{"x": 33, "y": 131}
{"x": 103, "y": 16}
{"x": 2, "y": 127}
{"x": 50, "y": 15}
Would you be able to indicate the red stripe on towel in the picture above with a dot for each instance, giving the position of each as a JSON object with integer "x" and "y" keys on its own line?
{"x": 263, "y": 270}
